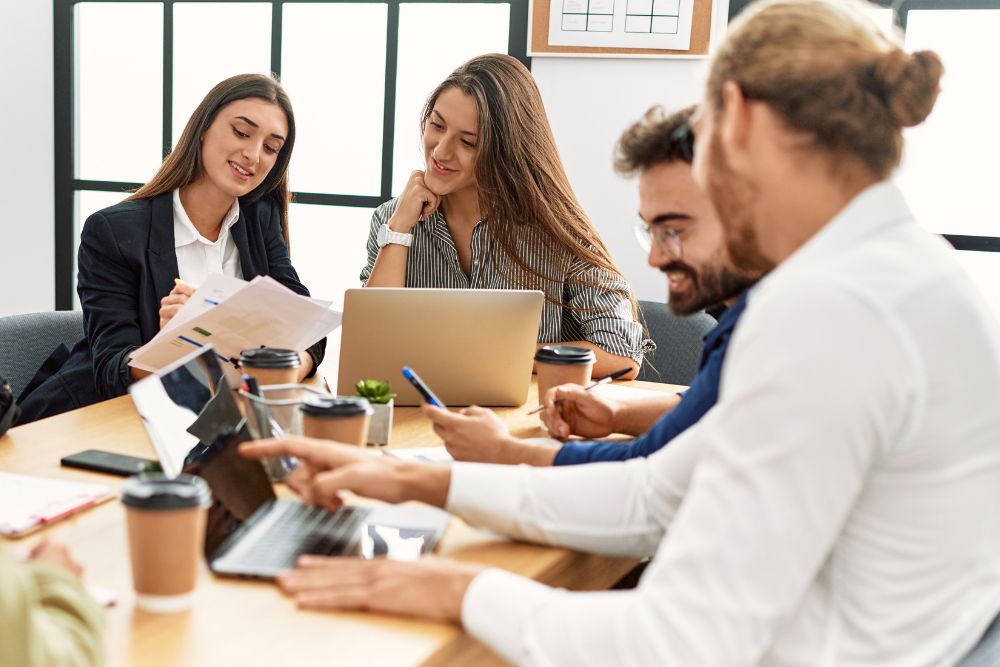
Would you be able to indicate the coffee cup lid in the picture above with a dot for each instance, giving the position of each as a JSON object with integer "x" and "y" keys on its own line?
{"x": 156, "y": 491}
{"x": 269, "y": 357}
{"x": 335, "y": 406}
{"x": 567, "y": 355}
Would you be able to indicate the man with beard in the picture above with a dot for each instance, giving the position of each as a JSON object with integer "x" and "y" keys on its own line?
{"x": 683, "y": 238}
{"x": 837, "y": 505}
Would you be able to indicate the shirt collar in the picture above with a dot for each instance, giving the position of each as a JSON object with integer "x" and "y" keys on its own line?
{"x": 185, "y": 231}
{"x": 872, "y": 210}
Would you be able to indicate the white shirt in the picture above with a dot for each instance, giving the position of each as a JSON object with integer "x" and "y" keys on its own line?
{"x": 197, "y": 257}
{"x": 836, "y": 507}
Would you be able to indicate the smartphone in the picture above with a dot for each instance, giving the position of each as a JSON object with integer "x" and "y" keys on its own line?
{"x": 107, "y": 462}
{"x": 424, "y": 390}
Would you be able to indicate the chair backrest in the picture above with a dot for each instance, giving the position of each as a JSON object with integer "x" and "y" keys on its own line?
{"x": 678, "y": 343}
{"x": 987, "y": 652}
{"x": 27, "y": 340}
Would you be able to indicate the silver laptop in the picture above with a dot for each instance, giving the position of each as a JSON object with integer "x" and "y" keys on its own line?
{"x": 471, "y": 346}
{"x": 191, "y": 415}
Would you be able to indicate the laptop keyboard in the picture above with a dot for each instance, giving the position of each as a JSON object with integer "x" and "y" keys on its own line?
{"x": 303, "y": 529}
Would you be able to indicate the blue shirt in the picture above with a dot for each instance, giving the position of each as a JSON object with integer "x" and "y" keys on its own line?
{"x": 695, "y": 402}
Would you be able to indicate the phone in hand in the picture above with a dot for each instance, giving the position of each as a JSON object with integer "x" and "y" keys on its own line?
{"x": 96, "y": 460}
{"x": 424, "y": 390}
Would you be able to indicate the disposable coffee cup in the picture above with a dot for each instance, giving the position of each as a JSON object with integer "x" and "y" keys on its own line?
{"x": 271, "y": 365}
{"x": 562, "y": 364}
{"x": 166, "y": 532}
{"x": 335, "y": 418}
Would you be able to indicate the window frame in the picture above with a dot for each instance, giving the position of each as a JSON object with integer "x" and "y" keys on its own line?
{"x": 64, "y": 57}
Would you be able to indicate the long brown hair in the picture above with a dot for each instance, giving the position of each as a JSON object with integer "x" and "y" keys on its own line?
{"x": 183, "y": 165}
{"x": 520, "y": 179}
{"x": 825, "y": 67}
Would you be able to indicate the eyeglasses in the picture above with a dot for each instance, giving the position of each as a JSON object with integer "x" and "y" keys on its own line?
{"x": 668, "y": 240}
{"x": 682, "y": 139}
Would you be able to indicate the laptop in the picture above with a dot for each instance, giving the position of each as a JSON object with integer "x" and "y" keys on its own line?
{"x": 473, "y": 347}
{"x": 191, "y": 414}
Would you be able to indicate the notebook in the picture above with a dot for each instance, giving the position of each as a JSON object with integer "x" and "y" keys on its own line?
{"x": 27, "y": 503}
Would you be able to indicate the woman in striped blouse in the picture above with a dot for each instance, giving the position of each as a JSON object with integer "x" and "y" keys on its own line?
{"x": 493, "y": 209}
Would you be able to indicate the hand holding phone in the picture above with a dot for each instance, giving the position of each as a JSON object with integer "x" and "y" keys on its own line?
{"x": 424, "y": 390}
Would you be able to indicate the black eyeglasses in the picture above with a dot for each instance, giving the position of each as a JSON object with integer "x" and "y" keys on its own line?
{"x": 683, "y": 139}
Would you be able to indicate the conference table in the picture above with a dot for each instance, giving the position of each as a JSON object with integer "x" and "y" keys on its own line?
{"x": 241, "y": 622}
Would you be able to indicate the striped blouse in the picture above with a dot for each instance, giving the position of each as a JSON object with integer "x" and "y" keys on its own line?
{"x": 601, "y": 315}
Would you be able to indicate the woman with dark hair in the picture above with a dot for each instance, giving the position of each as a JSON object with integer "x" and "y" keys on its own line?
{"x": 218, "y": 204}
{"x": 494, "y": 210}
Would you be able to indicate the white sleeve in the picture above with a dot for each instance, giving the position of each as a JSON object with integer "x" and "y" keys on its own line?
{"x": 785, "y": 454}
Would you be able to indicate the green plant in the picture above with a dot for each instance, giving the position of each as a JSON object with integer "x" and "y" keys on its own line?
{"x": 376, "y": 391}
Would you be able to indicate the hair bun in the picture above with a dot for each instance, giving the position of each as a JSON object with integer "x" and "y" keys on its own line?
{"x": 911, "y": 84}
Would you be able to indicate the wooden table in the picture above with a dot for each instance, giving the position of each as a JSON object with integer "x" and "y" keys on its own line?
{"x": 237, "y": 622}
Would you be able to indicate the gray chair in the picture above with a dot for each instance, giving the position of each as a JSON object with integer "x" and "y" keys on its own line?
{"x": 26, "y": 341}
{"x": 987, "y": 652}
{"x": 678, "y": 343}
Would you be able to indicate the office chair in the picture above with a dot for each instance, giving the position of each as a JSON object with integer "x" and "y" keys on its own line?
{"x": 27, "y": 340}
{"x": 678, "y": 343}
{"x": 987, "y": 652}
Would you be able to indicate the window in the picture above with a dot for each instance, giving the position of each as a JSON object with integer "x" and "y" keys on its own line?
{"x": 129, "y": 74}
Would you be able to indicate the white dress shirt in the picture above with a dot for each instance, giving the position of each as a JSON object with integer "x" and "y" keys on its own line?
{"x": 197, "y": 257}
{"x": 836, "y": 507}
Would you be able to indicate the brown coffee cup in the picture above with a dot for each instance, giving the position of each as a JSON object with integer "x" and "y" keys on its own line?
{"x": 166, "y": 531}
{"x": 562, "y": 364}
{"x": 271, "y": 365}
{"x": 334, "y": 418}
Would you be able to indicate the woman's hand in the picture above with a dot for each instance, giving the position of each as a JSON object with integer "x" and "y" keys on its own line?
{"x": 416, "y": 203}
{"x": 171, "y": 303}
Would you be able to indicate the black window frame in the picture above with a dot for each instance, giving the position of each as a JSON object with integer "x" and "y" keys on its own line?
{"x": 64, "y": 56}
{"x": 901, "y": 10}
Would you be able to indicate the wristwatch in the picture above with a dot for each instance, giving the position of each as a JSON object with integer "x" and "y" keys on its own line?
{"x": 386, "y": 236}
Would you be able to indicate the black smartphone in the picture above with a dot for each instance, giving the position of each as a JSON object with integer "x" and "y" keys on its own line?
{"x": 108, "y": 462}
{"x": 424, "y": 390}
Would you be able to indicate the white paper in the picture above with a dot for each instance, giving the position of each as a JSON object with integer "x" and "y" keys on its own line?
{"x": 26, "y": 498}
{"x": 216, "y": 289}
{"x": 262, "y": 312}
{"x": 425, "y": 454}
{"x": 630, "y": 24}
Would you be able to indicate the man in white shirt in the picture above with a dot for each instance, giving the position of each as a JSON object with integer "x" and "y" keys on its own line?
{"x": 835, "y": 507}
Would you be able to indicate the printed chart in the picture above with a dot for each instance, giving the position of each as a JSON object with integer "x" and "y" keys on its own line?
{"x": 639, "y": 24}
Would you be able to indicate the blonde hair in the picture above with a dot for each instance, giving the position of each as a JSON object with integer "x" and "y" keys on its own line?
{"x": 825, "y": 67}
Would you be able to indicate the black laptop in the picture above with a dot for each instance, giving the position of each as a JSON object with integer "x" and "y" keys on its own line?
{"x": 191, "y": 414}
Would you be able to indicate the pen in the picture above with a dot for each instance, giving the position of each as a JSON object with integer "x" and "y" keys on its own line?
{"x": 604, "y": 380}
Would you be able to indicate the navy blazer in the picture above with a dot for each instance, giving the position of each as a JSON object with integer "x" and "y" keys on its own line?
{"x": 127, "y": 264}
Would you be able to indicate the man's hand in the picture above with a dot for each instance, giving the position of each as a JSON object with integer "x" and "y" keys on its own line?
{"x": 171, "y": 303}
{"x": 431, "y": 588}
{"x": 327, "y": 468}
{"x": 54, "y": 553}
{"x": 474, "y": 434}
{"x": 580, "y": 413}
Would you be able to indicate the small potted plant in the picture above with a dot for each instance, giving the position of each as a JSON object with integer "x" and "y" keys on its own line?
{"x": 380, "y": 396}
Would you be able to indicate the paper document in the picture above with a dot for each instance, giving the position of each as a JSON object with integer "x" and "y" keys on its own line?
{"x": 261, "y": 312}
{"x": 426, "y": 454}
{"x": 28, "y": 502}
{"x": 634, "y": 24}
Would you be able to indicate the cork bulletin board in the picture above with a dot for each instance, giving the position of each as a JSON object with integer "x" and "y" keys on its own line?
{"x": 595, "y": 19}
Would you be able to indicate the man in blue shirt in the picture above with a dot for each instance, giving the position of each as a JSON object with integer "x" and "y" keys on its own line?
{"x": 683, "y": 236}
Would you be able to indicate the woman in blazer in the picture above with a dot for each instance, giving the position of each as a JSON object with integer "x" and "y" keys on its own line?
{"x": 218, "y": 204}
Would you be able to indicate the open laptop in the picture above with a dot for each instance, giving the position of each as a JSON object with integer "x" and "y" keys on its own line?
{"x": 190, "y": 412}
{"x": 471, "y": 346}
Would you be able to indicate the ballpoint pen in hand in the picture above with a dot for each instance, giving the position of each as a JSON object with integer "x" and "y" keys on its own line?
{"x": 604, "y": 380}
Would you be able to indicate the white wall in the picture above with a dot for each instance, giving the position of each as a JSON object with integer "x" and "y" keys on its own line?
{"x": 26, "y": 173}
{"x": 590, "y": 102}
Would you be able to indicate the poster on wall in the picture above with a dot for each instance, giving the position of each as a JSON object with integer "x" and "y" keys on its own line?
{"x": 623, "y": 24}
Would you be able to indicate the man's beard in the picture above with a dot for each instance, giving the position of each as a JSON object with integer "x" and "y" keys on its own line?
{"x": 710, "y": 286}
{"x": 733, "y": 198}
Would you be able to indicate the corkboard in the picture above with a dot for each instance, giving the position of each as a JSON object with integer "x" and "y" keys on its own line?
{"x": 701, "y": 28}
